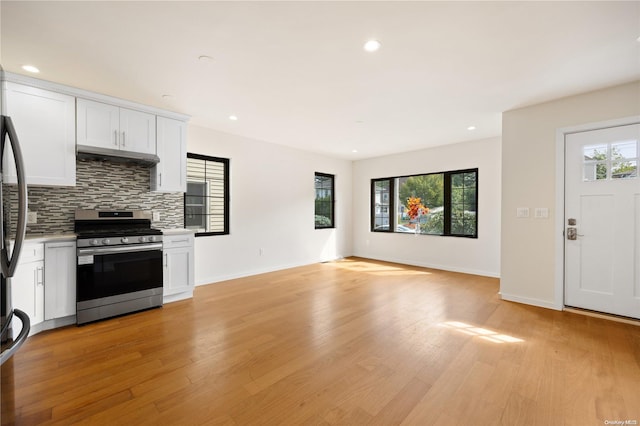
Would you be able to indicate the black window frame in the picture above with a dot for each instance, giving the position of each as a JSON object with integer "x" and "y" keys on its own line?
{"x": 332, "y": 202}
{"x": 226, "y": 193}
{"x": 447, "y": 205}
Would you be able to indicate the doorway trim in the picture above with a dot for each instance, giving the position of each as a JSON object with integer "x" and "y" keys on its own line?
{"x": 560, "y": 194}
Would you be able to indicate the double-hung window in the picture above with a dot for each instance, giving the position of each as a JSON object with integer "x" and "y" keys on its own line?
{"x": 206, "y": 202}
{"x": 444, "y": 203}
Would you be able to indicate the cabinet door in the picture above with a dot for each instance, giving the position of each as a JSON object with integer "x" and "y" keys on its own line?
{"x": 137, "y": 131}
{"x": 170, "y": 175}
{"x": 45, "y": 125}
{"x": 98, "y": 124}
{"x": 27, "y": 290}
{"x": 178, "y": 273}
{"x": 60, "y": 280}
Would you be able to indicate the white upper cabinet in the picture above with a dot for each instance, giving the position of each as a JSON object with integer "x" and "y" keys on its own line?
{"x": 45, "y": 126}
{"x": 102, "y": 125}
{"x": 138, "y": 131}
{"x": 98, "y": 124}
{"x": 170, "y": 174}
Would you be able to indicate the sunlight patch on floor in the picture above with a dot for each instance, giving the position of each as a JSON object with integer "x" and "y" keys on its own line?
{"x": 483, "y": 333}
{"x": 377, "y": 269}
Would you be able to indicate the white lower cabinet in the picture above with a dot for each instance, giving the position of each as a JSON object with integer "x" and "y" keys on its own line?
{"x": 27, "y": 284}
{"x": 44, "y": 284}
{"x": 60, "y": 279}
{"x": 178, "y": 266}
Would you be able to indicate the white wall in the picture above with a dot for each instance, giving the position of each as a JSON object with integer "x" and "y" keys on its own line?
{"x": 272, "y": 208}
{"x": 476, "y": 256}
{"x": 530, "y": 255}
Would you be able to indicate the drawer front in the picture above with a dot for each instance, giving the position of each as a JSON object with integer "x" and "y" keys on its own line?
{"x": 172, "y": 241}
{"x": 32, "y": 252}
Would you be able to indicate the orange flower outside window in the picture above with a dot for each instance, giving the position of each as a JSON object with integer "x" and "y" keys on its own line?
{"x": 415, "y": 207}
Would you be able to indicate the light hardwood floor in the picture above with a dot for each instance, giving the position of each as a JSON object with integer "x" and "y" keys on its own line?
{"x": 353, "y": 342}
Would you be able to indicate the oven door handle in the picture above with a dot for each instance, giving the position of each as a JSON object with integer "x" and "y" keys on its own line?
{"x": 118, "y": 249}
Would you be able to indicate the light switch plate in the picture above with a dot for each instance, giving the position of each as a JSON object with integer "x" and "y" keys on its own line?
{"x": 541, "y": 213}
{"x": 156, "y": 216}
{"x": 522, "y": 212}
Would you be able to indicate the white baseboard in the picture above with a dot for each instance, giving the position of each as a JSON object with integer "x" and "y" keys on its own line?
{"x": 531, "y": 301}
{"x": 436, "y": 266}
{"x": 175, "y": 297}
{"x": 220, "y": 278}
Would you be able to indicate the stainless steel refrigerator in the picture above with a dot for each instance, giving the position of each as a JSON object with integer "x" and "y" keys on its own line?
{"x": 11, "y": 338}
{"x": 10, "y": 252}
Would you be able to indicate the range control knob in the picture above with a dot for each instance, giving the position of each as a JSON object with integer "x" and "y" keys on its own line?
{"x": 143, "y": 239}
{"x": 106, "y": 241}
{"x": 124, "y": 240}
{"x": 152, "y": 238}
{"x": 94, "y": 242}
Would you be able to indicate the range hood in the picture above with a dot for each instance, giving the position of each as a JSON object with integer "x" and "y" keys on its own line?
{"x": 116, "y": 155}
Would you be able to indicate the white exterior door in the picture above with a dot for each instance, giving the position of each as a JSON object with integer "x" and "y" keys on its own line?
{"x": 602, "y": 220}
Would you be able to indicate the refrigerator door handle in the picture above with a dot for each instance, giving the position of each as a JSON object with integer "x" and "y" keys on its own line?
{"x": 24, "y": 333}
{"x": 9, "y": 265}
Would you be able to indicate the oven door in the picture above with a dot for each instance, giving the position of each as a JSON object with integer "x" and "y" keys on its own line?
{"x": 110, "y": 271}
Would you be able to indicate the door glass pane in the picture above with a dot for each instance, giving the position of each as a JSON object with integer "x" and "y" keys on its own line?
{"x": 624, "y": 170}
{"x": 595, "y": 171}
{"x": 595, "y": 152}
{"x": 624, "y": 150}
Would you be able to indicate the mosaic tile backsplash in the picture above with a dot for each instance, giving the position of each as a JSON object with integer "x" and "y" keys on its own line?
{"x": 100, "y": 185}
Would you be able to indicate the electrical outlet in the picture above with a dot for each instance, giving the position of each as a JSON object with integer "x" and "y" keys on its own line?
{"x": 156, "y": 216}
{"x": 32, "y": 217}
{"x": 261, "y": 251}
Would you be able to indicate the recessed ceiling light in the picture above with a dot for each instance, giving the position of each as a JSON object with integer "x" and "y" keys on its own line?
{"x": 471, "y": 128}
{"x": 372, "y": 45}
{"x": 30, "y": 68}
{"x": 233, "y": 117}
{"x": 167, "y": 97}
{"x": 354, "y": 150}
{"x": 205, "y": 58}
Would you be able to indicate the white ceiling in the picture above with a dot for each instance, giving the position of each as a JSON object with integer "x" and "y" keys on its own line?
{"x": 295, "y": 73}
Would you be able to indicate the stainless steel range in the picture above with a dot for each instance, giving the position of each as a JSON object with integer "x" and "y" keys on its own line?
{"x": 119, "y": 268}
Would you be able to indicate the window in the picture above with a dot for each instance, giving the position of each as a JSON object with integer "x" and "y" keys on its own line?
{"x": 324, "y": 208}
{"x": 434, "y": 203}
{"x": 206, "y": 202}
{"x": 618, "y": 160}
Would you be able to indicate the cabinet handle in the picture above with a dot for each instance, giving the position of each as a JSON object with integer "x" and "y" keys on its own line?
{"x": 115, "y": 137}
{"x": 166, "y": 260}
{"x": 160, "y": 179}
{"x": 123, "y": 139}
{"x": 41, "y": 276}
